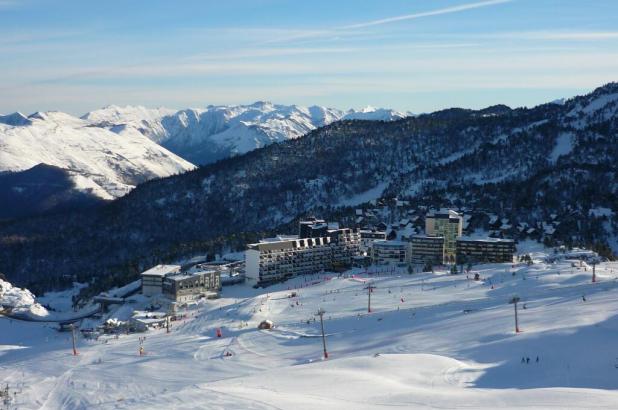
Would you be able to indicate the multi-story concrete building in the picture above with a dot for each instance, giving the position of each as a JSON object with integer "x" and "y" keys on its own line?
{"x": 152, "y": 279}
{"x": 389, "y": 252}
{"x": 191, "y": 286}
{"x": 367, "y": 239}
{"x": 280, "y": 258}
{"x": 493, "y": 250}
{"x": 426, "y": 249}
{"x": 448, "y": 224}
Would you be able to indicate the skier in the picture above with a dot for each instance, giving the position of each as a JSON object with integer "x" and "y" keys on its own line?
{"x": 537, "y": 359}
{"x": 523, "y": 360}
{"x": 584, "y": 298}
{"x": 527, "y": 360}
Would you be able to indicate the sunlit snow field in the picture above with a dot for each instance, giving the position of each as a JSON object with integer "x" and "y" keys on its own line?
{"x": 431, "y": 341}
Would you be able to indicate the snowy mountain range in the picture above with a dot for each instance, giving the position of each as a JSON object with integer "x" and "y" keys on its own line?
{"x": 107, "y": 152}
{"x": 203, "y": 136}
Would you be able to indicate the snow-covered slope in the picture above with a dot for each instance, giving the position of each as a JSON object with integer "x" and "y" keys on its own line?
{"x": 19, "y": 301}
{"x": 109, "y": 163}
{"x": 432, "y": 341}
{"x": 215, "y": 132}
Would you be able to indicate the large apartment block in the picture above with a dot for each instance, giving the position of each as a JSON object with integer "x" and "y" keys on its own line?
{"x": 190, "y": 286}
{"x": 389, "y": 252}
{"x": 426, "y": 249}
{"x": 152, "y": 279}
{"x": 447, "y": 224}
{"x": 485, "y": 250}
{"x": 279, "y": 258}
{"x": 368, "y": 237}
{"x": 180, "y": 286}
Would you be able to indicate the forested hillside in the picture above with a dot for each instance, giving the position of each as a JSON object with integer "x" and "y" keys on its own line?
{"x": 521, "y": 164}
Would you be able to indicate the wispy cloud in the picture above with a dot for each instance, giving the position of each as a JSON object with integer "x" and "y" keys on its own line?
{"x": 354, "y": 30}
{"x": 562, "y": 35}
{"x": 436, "y": 12}
{"x": 270, "y": 52}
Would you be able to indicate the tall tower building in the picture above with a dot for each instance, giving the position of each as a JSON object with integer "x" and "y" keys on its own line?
{"x": 448, "y": 224}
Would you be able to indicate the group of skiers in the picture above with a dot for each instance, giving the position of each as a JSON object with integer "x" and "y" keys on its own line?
{"x": 526, "y": 360}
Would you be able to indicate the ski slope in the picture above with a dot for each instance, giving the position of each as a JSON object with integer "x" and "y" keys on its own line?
{"x": 431, "y": 341}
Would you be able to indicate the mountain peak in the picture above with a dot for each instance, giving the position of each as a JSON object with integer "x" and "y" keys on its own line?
{"x": 15, "y": 119}
{"x": 374, "y": 114}
{"x": 262, "y": 105}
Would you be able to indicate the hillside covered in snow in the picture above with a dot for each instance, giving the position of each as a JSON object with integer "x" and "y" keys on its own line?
{"x": 103, "y": 163}
{"x": 432, "y": 340}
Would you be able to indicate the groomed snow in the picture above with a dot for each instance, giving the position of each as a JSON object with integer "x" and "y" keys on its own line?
{"x": 432, "y": 341}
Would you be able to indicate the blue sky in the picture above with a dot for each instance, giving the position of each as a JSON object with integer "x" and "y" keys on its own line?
{"x": 420, "y": 56}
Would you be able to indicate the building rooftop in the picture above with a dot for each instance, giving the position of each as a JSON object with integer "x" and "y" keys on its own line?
{"x": 485, "y": 239}
{"x": 279, "y": 238}
{"x": 161, "y": 270}
{"x": 187, "y": 275}
{"x": 421, "y": 236}
{"x": 389, "y": 243}
{"x": 443, "y": 213}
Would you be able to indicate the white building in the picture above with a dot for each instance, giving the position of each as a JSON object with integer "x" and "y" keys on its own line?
{"x": 283, "y": 257}
{"x": 152, "y": 279}
{"x": 189, "y": 286}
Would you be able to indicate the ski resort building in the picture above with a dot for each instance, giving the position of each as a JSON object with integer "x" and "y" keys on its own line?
{"x": 426, "y": 249}
{"x": 448, "y": 224}
{"x": 494, "y": 250}
{"x": 178, "y": 286}
{"x": 368, "y": 237}
{"x": 152, "y": 279}
{"x": 389, "y": 252}
{"x": 190, "y": 286}
{"x": 279, "y": 258}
